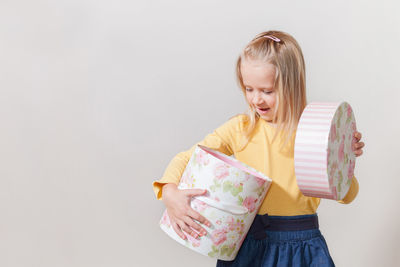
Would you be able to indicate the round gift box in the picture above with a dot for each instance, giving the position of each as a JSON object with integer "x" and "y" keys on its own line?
{"x": 323, "y": 154}
{"x": 235, "y": 192}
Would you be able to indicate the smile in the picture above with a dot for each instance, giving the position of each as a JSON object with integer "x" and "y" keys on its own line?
{"x": 263, "y": 110}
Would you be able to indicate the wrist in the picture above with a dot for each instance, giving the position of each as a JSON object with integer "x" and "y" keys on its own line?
{"x": 167, "y": 188}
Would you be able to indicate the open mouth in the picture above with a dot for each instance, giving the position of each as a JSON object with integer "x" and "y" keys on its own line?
{"x": 263, "y": 110}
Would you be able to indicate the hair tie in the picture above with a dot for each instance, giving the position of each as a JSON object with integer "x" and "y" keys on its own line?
{"x": 272, "y": 38}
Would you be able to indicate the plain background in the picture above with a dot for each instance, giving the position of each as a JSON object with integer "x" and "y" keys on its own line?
{"x": 98, "y": 96}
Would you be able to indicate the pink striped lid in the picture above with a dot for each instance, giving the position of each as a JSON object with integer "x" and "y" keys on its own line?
{"x": 323, "y": 155}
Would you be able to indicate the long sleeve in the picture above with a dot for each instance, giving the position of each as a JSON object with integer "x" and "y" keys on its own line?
{"x": 223, "y": 139}
{"x": 353, "y": 191}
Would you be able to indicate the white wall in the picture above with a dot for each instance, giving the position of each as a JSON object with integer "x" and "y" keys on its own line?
{"x": 96, "y": 97}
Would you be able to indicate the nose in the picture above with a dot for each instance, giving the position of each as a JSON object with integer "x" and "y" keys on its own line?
{"x": 257, "y": 99}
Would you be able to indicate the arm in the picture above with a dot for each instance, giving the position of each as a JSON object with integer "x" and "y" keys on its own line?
{"x": 223, "y": 139}
{"x": 177, "y": 201}
{"x": 353, "y": 191}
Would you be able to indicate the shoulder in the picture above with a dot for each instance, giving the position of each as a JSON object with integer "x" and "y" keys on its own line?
{"x": 238, "y": 121}
{"x": 234, "y": 124}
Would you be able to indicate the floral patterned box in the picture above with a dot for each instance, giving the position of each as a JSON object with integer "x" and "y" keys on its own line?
{"x": 323, "y": 154}
{"x": 235, "y": 192}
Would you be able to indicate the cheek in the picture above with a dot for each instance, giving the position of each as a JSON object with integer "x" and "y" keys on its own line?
{"x": 271, "y": 101}
{"x": 248, "y": 97}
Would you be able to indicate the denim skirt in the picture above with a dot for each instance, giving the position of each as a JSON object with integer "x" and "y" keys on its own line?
{"x": 285, "y": 245}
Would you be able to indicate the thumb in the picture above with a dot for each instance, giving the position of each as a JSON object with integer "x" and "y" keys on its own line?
{"x": 195, "y": 192}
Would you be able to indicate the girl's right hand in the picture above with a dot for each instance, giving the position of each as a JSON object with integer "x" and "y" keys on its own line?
{"x": 180, "y": 212}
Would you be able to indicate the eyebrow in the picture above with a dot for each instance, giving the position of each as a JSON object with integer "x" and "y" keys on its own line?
{"x": 268, "y": 88}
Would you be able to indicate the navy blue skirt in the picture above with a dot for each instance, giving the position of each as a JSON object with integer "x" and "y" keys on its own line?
{"x": 277, "y": 247}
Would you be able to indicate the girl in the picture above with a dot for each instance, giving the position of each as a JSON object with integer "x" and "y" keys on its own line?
{"x": 271, "y": 73}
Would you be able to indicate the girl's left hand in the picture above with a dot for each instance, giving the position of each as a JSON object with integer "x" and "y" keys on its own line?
{"x": 357, "y": 146}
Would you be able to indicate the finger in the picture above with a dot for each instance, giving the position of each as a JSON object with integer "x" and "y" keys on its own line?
{"x": 357, "y": 135}
{"x": 195, "y": 192}
{"x": 198, "y": 217}
{"x": 195, "y": 226}
{"x": 178, "y": 231}
{"x": 359, "y": 145}
{"x": 187, "y": 229}
{"x": 358, "y": 153}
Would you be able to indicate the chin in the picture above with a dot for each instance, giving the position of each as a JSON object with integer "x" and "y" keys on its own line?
{"x": 266, "y": 118}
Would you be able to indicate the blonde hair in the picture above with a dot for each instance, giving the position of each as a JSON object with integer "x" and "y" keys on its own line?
{"x": 290, "y": 81}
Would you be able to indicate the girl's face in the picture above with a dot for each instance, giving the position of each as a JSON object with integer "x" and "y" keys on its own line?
{"x": 258, "y": 79}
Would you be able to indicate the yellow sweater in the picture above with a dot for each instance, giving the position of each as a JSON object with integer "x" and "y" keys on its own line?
{"x": 284, "y": 198}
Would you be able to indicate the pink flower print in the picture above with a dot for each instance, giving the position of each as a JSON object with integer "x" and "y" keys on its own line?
{"x": 333, "y": 132}
{"x": 353, "y": 139}
{"x": 334, "y": 192}
{"x": 260, "y": 181}
{"x": 218, "y": 236}
{"x": 221, "y": 170}
{"x": 217, "y": 199}
{"x": 333, "y": 169}
{"x": 241, "y": 240}
{"x": 165, "y": 219}
{"x": 353, "y": 126}
{"x": 218, "y": 222}
{"x": 187, "y": 177}
{"x": 330, "y": 180}
{"x": 341, "y": 151}
{"x": 250, "y": 203}
{"x": 348, "y": 111}
{"x": 350, "y": 171}
{"x": 194, "y": 241}
{"x": 202, "y": 158}
{"x": 237, "y": 226}
{"x": 231, "y": 221}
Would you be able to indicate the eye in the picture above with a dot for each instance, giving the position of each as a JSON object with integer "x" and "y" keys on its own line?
{"x": 248, "y": 89}
{"x": 267, "y": 92}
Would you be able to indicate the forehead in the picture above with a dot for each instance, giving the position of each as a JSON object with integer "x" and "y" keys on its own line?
{"x": 257, "y": 74}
